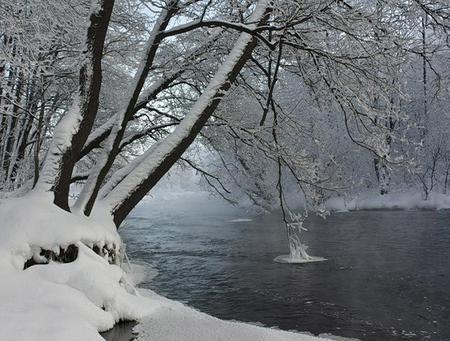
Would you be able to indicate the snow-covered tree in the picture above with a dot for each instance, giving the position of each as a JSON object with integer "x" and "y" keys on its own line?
{"x": 100, "y": 98}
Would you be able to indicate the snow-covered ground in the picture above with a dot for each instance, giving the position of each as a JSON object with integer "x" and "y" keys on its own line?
{"x": 175, "y": 321}
{"x": 395, "y": 200}
{"x": 77, "y": 300}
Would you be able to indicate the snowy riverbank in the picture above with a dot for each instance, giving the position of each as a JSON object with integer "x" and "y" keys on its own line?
{"x": 175, "y": 321}
{"x": 396, "y": 200}
{"x": 88, "y": 295}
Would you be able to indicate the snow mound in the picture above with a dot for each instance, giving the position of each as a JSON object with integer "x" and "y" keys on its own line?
{"x": 291, "y": 260}
{"x": 88, "y": 294}
{"x": 32, "y": 222}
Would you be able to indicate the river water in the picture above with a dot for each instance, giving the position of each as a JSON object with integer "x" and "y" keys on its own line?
{"x": 387, "y": 276}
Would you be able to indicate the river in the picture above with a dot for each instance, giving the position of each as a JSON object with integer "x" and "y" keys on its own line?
{"x": 387, "y": 276}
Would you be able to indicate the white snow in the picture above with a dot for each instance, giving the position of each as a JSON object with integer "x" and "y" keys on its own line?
{"x": 297, "y": 260}
{"x": 33, "y": 221}
{"x": 63, "y": 133}
{"x": 77, "y": 300}
{"x": 88, "y": 295}
{"x": 175, "y": 321}
{"x": 396, "y": 200}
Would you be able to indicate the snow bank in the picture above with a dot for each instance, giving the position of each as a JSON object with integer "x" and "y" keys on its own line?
{"x": 88, "y": 295}
{"x": 33, "y": 222}
{"x": 397, "y": 200}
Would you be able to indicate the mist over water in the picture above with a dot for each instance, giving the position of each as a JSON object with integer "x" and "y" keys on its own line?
{"x": 387, "y": 276}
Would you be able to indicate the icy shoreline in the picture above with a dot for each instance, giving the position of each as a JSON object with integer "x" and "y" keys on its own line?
{"x": 176, "y": 321}
{"x": 90, "y": 293}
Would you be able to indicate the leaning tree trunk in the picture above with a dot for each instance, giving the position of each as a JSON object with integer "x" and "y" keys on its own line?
{"x": 129, "y": 185}
{"x": 111, "y": 148}
{"x": 73, "y": 130}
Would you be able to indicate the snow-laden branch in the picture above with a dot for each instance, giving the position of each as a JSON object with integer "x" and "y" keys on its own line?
{"x": 154, "y": 163}
{"x": 101, "y": 133}
{"x": 247, "y": 28}
{"x": 145, "y": 132}
{"x": 106, "y": 158}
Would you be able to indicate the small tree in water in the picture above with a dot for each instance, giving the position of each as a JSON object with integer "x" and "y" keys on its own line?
{"x": 297, "y": 249}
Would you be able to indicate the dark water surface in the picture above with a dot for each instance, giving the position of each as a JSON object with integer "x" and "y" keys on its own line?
{"x": 387, "y": 277}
